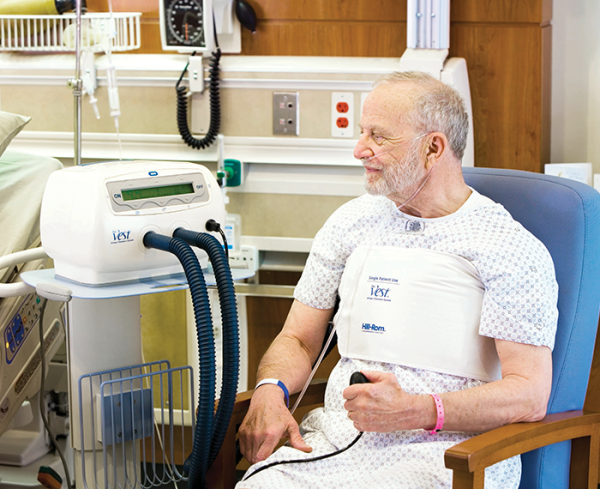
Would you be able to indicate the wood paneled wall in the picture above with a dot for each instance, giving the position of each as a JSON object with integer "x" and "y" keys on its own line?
{"x": 507, "y": 45}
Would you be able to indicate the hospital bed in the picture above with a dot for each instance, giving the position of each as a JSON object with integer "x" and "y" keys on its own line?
{"x": 24, "y": 443}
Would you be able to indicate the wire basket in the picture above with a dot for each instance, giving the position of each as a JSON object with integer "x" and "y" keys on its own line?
{"x": 132, "y": 426}
{"x": 56, "y": 33}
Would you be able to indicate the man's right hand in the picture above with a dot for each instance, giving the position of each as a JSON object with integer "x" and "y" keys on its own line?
{"x": 267, "y": 422}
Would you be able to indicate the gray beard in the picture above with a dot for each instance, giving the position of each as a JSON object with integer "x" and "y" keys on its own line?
{"x": 398, "y": 178}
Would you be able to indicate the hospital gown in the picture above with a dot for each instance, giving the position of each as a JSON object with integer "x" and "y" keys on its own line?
{"x": 519, "y": 305}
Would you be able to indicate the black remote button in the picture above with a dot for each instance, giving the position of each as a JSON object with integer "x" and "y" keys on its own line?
{"x": 358, "y": 378}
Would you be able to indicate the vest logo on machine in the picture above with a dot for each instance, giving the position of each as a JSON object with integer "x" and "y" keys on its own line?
{"x": 121, "y": 237}
{"x": 372, "y": 328}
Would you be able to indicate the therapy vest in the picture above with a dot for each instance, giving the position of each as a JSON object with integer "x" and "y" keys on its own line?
{"x": 414, "y": 307}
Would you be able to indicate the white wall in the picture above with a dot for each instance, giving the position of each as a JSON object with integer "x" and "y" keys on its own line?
{"x": 576, "y": 82}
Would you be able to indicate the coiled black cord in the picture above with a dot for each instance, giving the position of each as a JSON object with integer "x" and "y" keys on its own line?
{"x": 215, "y": 106}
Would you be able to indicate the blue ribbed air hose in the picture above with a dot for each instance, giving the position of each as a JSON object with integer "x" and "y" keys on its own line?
{"x": 199, "y": 461}
{"x": 231, "y": 340}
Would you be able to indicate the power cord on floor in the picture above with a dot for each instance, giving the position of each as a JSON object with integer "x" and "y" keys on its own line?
{"x": 42, "y": 397}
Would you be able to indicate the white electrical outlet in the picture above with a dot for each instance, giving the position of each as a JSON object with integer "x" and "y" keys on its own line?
{"x": 342, "y": 114}
{"x": 247, "y": 258}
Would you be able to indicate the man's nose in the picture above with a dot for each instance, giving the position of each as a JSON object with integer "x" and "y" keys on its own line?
{"x": 362, "y": 149}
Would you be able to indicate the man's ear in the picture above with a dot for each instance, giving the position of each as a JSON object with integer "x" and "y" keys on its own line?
{"x": 437, "y": 145}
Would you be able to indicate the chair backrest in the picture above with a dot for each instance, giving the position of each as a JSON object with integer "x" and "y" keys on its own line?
{"x": 565, "y": 216}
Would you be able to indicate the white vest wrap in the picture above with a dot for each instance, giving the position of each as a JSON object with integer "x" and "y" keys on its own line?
{"x": 415, "y": 307}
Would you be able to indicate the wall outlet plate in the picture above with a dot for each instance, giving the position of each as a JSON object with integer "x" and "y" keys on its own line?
{"x": 248, "y": 258}
{"x": 342, "y": 114}
{"x": 286, "y": 113}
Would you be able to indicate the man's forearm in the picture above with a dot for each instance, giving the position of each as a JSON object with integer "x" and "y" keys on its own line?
{"x": 510, "y": 400}
{"x": 288, "y": 359}
{"x": 293, "y": 352}
{"x": 285, "y": 360}
{"x": 521, "y": 395}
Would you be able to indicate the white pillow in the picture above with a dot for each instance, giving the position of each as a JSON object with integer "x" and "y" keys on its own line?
{"x": 10, "y": 126}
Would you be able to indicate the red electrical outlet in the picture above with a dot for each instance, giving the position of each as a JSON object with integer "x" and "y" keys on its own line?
{"x": 342, "y": 122}
{"x": 342, "y": 107}
{"x": 342, "y": 114}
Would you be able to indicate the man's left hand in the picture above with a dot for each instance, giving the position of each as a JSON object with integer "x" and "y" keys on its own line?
{"x": 383, "y": 406}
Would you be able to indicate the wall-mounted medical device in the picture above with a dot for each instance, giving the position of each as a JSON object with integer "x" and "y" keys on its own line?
{"x": 188, "y": 26}
{"x": 94, "y": 217}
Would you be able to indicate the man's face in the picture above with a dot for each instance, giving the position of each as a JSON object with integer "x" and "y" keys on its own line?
{"x": 388, "y": 175}
{"x": 388, "y": 146}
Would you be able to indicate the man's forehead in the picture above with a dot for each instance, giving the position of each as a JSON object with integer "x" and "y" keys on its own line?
{"x": 402, "y": 91}
{"x": 382, "y": 109}
{"x": 397, "y": 97}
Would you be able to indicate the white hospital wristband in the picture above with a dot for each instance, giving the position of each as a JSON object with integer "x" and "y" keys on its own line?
{"x": 277, "y": 383}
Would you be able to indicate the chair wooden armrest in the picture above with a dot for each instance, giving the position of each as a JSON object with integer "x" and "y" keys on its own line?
{"x": 222, "y": 472}
{"x": 469, "y": 459}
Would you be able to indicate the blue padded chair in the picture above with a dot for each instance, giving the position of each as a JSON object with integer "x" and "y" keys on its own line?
{"x": 565, "y": 216}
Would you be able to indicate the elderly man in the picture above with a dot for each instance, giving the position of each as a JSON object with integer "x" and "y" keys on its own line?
{"x": 447, "y": 306}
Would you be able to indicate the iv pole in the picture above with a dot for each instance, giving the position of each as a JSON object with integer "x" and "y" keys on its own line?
{"x": 76, "y": 83}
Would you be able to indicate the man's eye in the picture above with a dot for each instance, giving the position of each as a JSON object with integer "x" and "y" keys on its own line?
{"x": 378, "y": 139}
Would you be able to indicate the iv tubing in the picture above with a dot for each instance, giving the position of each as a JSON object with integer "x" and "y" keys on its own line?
{"x": 77, "y": 84}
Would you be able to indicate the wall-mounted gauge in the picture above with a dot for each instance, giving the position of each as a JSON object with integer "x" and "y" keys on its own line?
{"x": 186, "y": 25}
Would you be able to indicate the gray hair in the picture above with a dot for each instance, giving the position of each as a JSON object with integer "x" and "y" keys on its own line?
{"x": 437, "y": 107}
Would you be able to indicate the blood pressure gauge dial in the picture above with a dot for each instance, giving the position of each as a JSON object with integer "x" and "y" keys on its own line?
{"x": 186, "y": 25}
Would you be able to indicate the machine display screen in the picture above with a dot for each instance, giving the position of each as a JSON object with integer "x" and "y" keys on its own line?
{"x": 153, "y": 192}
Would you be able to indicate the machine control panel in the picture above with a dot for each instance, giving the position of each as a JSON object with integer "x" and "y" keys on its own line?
{"x": 21, "y": 324}
{"x": 157, "y": 192}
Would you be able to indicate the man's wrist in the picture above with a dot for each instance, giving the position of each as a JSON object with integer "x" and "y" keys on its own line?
{"x": 440, "y": 414}
{"x": 429, "y": 413}
{"x": 279, "y": 384}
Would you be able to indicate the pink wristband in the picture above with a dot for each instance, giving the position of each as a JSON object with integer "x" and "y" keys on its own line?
{"x": 439, "y": 407}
